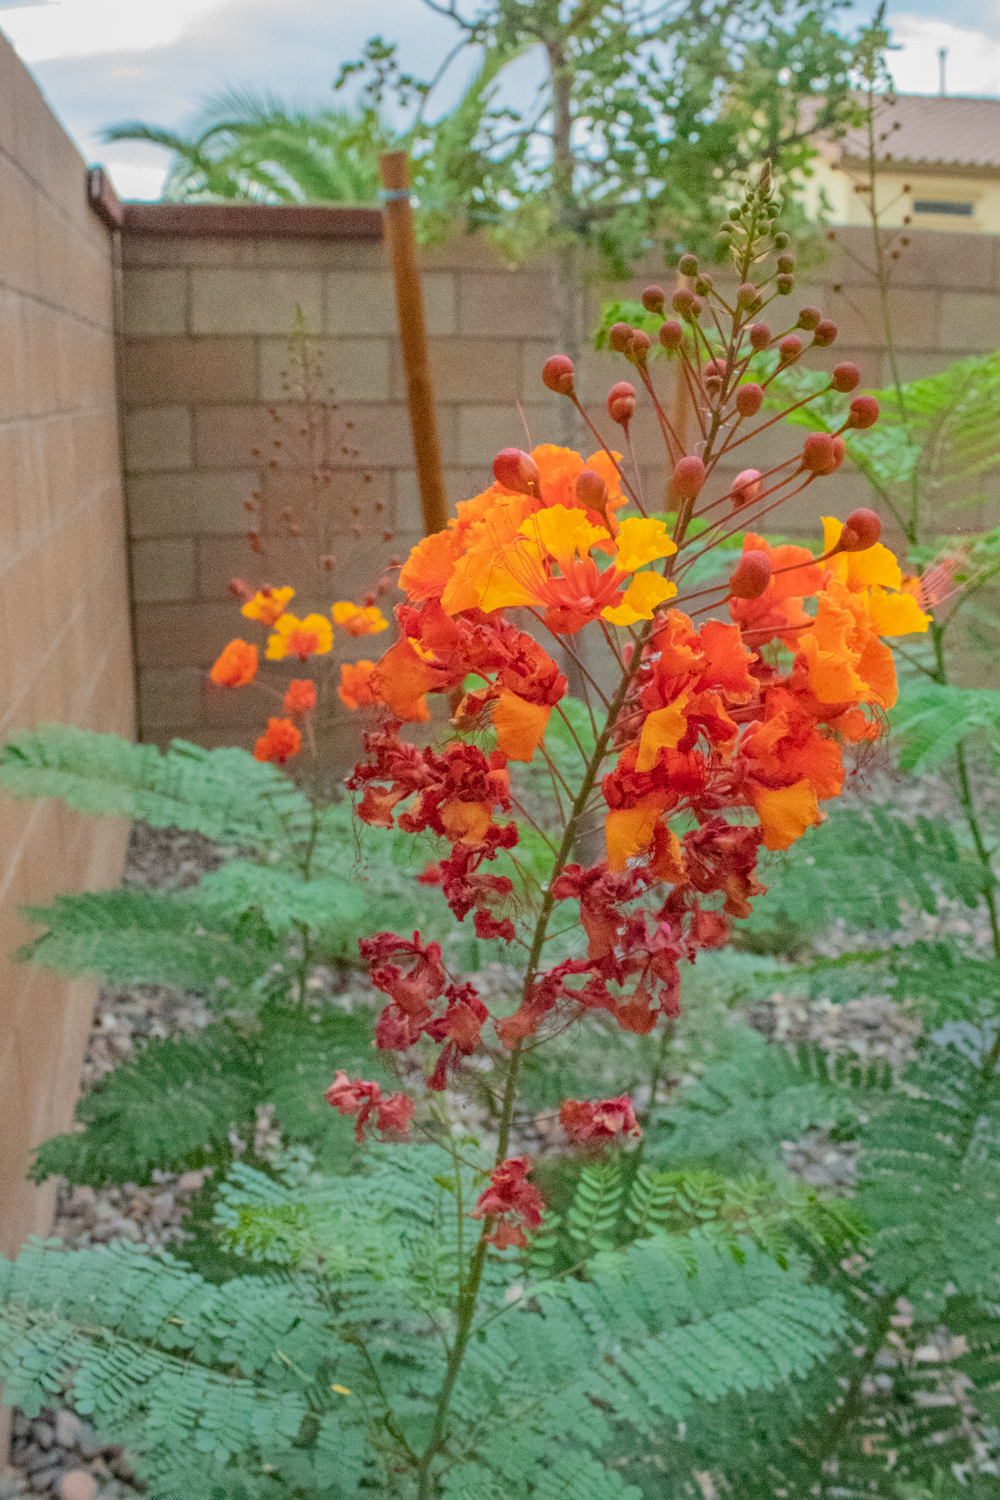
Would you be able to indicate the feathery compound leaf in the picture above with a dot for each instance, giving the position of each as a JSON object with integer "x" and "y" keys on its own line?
{"x": 866, "y": 868}
{"x": 173, "y": 1105}
{"x": 931, "y": 719}
{"x": 223, "y": 794}
{"x": 930, "y": 1172}
{"x": 155, "y": 937}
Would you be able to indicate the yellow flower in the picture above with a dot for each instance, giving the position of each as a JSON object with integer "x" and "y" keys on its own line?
{"x": 644, "y": 595}
{"x": 562, "y": 532}
{"x": 268, "y": 605}
{"x": 642, "y": 540}
{"x": 312, "y": 636}
{"x": 357, "y": 620}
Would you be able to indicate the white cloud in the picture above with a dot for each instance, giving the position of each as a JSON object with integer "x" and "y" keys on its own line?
{"x": 972, "y": 65}
{"x": 91, "y": 28}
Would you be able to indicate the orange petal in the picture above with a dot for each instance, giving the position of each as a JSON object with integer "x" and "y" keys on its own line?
{"x": 630, "y": 830}
{"x": 467, "y": 821}
{"x": 401, "y": 679}
{"x": 663, "y": 730}
{"x": 430, "y": 565}
{"x": 520, "y": 726}
{"x": 786, "y": 814}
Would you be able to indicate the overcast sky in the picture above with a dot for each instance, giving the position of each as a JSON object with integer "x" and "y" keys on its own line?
{"x": 103, "y": 61}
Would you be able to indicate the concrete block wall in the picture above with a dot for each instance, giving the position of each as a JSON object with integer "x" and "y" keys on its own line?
{"x": 63, "y": 596}
{"x": 209, "y": 301}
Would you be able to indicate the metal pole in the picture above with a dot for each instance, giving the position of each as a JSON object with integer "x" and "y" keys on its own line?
{"x": 413, "y": 338}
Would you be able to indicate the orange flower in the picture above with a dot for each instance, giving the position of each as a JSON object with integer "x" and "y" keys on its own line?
{"x": 312, "y": 636}
{"x": 355, "y": 688}
{"x": 357, "y": 620}
{"x": 401, "y": 679}
{"x": 236, "y": 666}
{"x": 787, "y": 813}
{"x": 301, "y": 696}
{"x": 281, "y": 741}
{"x": 486, "y": 525}
{"x": 268, "y": 605}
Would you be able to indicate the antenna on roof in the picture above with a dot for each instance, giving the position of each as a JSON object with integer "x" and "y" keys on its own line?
{"x": 942, "y": 63}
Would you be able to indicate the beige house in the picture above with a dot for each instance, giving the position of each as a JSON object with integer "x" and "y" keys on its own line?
{"x": 939, "y": 167}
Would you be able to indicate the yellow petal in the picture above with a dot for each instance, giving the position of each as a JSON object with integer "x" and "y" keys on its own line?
{"x": 786, "y": 814}
{"x": 896, "y": 614}
{"x": 629, "y": 830}
{"x": 642, "y": 540}
{"x": 520, "y": 726}
{"x": 563, "y": 532}
{"x": 642, "y": 598}
{"x": 663, "y": 730}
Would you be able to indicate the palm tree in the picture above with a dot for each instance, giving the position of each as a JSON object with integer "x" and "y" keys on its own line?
{"x": 255, "y": 147}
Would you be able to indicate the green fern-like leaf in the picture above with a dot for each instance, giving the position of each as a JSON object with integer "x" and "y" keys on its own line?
{"x": 156, "y": 937}
{"x": 223, "y": 794}
{"x": 593, "y": 1213}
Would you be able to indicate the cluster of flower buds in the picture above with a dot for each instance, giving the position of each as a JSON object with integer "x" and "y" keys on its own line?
{"x": 722, "y": 711}
{"x": 312, "y": 636}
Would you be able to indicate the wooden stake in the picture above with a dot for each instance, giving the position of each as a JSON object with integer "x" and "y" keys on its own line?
{"x": 413, "y": 339}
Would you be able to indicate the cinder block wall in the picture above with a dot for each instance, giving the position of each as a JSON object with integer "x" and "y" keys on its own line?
{"x": 210, "y": 295}
{"x": 63, "y": 595}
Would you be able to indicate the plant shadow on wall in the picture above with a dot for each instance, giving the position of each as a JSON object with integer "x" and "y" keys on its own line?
{"x": 398, "y": 1302}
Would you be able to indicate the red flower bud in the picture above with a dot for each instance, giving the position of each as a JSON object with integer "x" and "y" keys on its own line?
{"x": 810, "y": 318}
{"x": 790, "y": 348}
{"x": 653, "y": 299}
{"x": 746, "y": 295}
{"x": 557, "y": 374}
{"x": 621, "y": 402}
{"x": 688, "y": 265}
{"x": 862, "y": 530}
{"x": 517, "y": 471}
{"x": 682, "y": 301}
{"x": 818, "y": 453}
{"x": 688, "y": 478}
{"x": 784, "y": 285}
{"x": 751, "y": 577}
{"x": 640, "y": 342}
{"x": 671, "y": 335}
{"x": 620, "y": 338}
{"x": 786, "y": 263}
{"x": 714, "y": 367}
{"x": 749, "y": 398}
{"x": 824, "y": 333}
{"x": 759, "y": 335}
{"x": 845, "y": 377}
{"x": 864, "y": 412}
{"x": 746, "y": 487}
{"x": 591, "y": 491}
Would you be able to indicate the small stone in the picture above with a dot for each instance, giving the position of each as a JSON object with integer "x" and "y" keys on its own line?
{"x": 68, "y": 1429}
{"x": 190, "y": 1182}
{"x": 44, "y": 1479}
{"x": 43, "y": 1433}
{"x": 77, "y": 1485}
{"x": 20, "y": 1425}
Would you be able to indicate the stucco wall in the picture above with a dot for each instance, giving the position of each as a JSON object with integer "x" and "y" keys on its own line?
{"x": 63, "y": 595}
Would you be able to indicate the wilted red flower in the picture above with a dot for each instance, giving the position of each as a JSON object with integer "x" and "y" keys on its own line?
{"x": 513, "y": 1200}
{"x": 598, "y": 1119}
{"x": 357, "y": 1096}
{"x": 280, "y": 742}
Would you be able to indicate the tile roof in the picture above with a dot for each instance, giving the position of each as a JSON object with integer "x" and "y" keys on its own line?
{"x": 935, "y": 130}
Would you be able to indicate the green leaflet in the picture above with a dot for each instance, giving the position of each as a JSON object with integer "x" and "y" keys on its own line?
{"x": 174, "y": 1104}
{"x": 223, "y": 794}
{"x": 931, "y": 719}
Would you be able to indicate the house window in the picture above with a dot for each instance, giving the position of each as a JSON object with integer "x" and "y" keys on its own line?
{"x": 943, "y": 206}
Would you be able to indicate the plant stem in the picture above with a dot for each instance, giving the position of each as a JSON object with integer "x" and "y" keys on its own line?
{"x": 468, "y": 1301}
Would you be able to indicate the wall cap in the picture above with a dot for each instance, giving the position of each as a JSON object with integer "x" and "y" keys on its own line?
{"x": 314, "y": 221}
